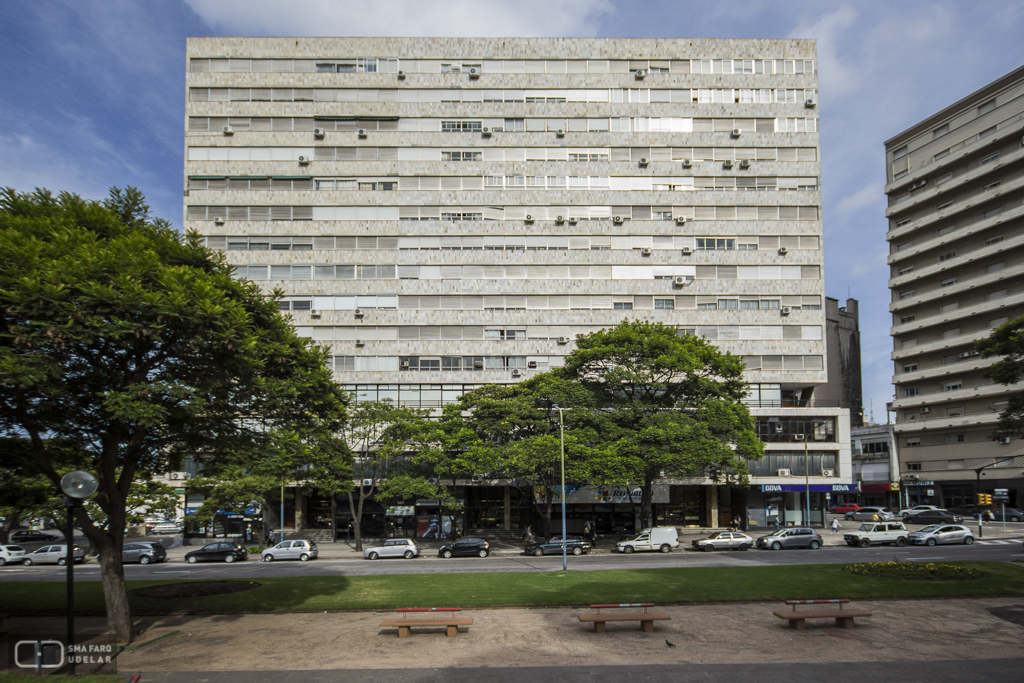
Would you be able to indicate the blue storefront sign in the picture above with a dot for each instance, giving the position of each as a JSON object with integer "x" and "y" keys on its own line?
{"x": 827, "y": 488}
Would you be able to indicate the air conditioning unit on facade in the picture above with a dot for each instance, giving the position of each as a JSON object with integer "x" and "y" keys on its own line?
{"x": 560, "y": 132}
{"x": 646, "y": 251}
{"x": 478, "y": 364}
{"x": 643, "y": 161}
{"x": 303, "y": 160}
{"x": 474, "y": 72}
{"x": 680, "y": 220}
{"x": 785, "y": 310}
{"x": 559, "y": 219}
{"x": 573, "y": 220}
{"x": 531, "y": 364}
{"x": 314, "y": 313}
{"x": 926, "y": 410}
{"x": 828, "y": 473}
{"x": 744, "y": 163}
{"x": 681, "y": 280}
{"x": 617, "y": 220}
{"x": 367, "y": 482}
{"x": 477, "y": 478}
{"x": 516, "y": 373}
{"x": 404, "y": 364}
{"x": 641, "y": 74}
{"x": 361, "y": 132}
{"x": 358, "y": 313}
{"x": 783, "y": 251}
{"x": 360, "y": 342}
{"x": 784, "y": 473}
{"x": 563, "y": 340}
{"x": 529, "y": 218}
{"x": 810, "y": 104}
{"x": 228, "y": 130}
{"x": 687, "y": 251}
{"x": 687, "y": 163}
{"x": 401, "y": 75}
{"x": 218, "y": 220}
{"x": 318, "y": 133}
{"x": 486, "y": 132}
{"x": 727, "y": 164}
{"x": 735, "y": 133}
{"x": 799, "y": 437}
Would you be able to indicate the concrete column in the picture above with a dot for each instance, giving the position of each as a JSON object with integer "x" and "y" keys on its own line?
{"x": 508, "y": 507}
{"x": 712, "y": 496}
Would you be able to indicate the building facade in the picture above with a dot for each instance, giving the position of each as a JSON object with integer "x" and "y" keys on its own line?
{"x": 842, "y": 343}
{"x": 876, "y": 471}
{"x": 447, "y": 213}
{"x": 956, "y": 241}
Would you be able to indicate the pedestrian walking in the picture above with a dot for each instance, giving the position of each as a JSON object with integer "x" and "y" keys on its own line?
{"x": 528, "y": 538}
{"x": 835, "y": 525}
{"x": 776, "y": 521}
{"x": 270, "y": 537}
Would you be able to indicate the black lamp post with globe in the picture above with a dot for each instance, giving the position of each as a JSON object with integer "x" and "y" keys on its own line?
{"x": 76, "y": 486}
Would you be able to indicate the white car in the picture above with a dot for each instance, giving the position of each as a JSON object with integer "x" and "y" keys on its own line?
{"x": 661, "y": 538}
{"x": 393, "y": 547}
{"x": 54, "y": 554}
{"x": 910, "y": 512}
{"x": 11, "y": 554}
{"x": 291, "y": 550}
{"x": 878, "y": 533}
{"x": 167, "y": 528}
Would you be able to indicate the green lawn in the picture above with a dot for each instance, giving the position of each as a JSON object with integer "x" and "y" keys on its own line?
{"x": 705, "y": 584}
{"x": 88, "y": 678}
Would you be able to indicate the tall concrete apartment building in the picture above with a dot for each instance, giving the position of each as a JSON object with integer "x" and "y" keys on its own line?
{"x": 446, "y": 213}
{"x": 956, "y": 236}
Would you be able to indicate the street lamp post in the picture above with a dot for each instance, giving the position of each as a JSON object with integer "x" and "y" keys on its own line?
{"x": 561, "y": 444}
{"x": 807, "y": 475}
{"x": 76, "y": 486}
{"x": 977, "y": 490}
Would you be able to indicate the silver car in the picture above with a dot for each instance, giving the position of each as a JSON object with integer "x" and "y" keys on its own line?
{"x": 393, "y": 547}
{"x": 724, "y": 540}
{"x": 868, "y": 515}
{"x": 54, "y": 554}
{"x": 939, "y": 534}
{"x": 291, "y": 550}
{"x": 11, "y": 554}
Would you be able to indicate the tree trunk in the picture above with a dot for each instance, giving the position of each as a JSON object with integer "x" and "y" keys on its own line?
{"x": 357, "y": 518}
{"x": 107, "y": 543}
{"x": 646, "y": 503}
{"x": 9, "y": 523}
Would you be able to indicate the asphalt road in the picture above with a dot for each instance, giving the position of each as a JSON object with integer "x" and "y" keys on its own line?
{"x": 988, "y": 550}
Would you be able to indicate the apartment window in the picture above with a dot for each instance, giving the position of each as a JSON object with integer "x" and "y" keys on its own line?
{"x": 943, "y": 180}
{"x": 995, "y": 267}
{"x": 991, "y": 213}
{"x": 989, "y": 159}
{"x": 953, "y": 385}
{"x": 905, "y": 245}
{"x": 904, "y": 222}
{"x": 899, "y": 153}
{"x": 914, "y": 442}
{"x": 996, "y": 322}
{"x": 664, "y": 304}
{"x": 948, "y": 255}
{"x": 985, "y": 133}
{"x": 939, "y": 155}
{"x": 946, "y": 230}
{"x": 910, "y": 367}
{"x": 948, "y": 282}
{"x": 996, "y": 294}
{"x": 905, "y": 271}
{"x": 913, "y": 466}
{"x": 910, "y": 392}
{"x": 944, "y": 205}
{"x": 461, "y": 156}
{"x": 907, "y": 294}
{"x": 900, "y": 174}
{"x": 990, "y": 186}
{"x": 955, "y": 438}
{"x": 908, "y": 318}
{"x": 451, "y": 68}
{"x": 460, "y": 126}
{"x": 622, "y": 306}
{"x": 940, "y": 131}
{"x": 993, "y": 240}
{"x": 515, "y": 125}
{"x": 716, "y": 244}
{"x": 987, "y": 107}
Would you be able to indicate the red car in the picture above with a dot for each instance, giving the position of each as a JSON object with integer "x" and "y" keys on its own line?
{"x": 843, "y": 508}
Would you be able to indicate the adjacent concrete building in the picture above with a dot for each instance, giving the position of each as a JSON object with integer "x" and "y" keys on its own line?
{"x": 842, "y": 341}
{"x": 445, "y": 213}
{"x": 956, "y": 237}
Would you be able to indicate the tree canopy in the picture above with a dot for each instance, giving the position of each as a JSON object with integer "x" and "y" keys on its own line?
{"x": 1007, "y": 341}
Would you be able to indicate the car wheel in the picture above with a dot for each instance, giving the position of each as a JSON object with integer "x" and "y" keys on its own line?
{"x": 865, "y": 543}
{"x": 969, "y": 540}
{"x": 2, "y": 561}
{"x": 229, "y": 559}
{"x": 665, "y": 548}
{"x": 303, "y": 557}
{"x": 409, "y": 554}
{"x": 628, "y": 549}
{"x": 144, "y": 559}
{"x": 268, "y": 558}
{"x": 62, "y": 562}
{"x": 708, "y": 547}
{"x": 483, "y": 553}
{"x": 446, "y": 554}
{"x": 930, "y": 541}
{"x": 815, "y": 545}
{"x": 577, "y": 550}
{"x": 27, "y": 562}
{"x": 776, "y": 546}
{"x": 373, "y": 556}
{"x": 537, "y": 552}
{"x": 900, "y": 542}
{"x": 906, "y": 518}
{"x": 744, "y": 546}
{"x": 849, "y": 518}
{"x": 1014, "y": 519}
{"x": 191, "y": 560}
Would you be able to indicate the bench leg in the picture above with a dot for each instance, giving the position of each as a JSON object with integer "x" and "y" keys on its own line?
{"x": 798, "y": 624}
{"x": 647, "y": 626}
{"x": 452, "y": 630}
{"x": 844, "y": 622}
{"x": 403, "y": 631}
{"x": 598, "y": 627}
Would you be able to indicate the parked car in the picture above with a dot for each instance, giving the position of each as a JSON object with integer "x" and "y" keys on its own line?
{"x": 795, "y": 537}
{"x": 11, "y": 554}
{"x": 906, "y": 513}
{"x": 291, "y": 550}
{"x": 868, "y": 515}
{"x": 935, "y": 517}
{"x": 218, "y": 552}
{"x": 724, "y": 540}
{"x": 393, "y": 547}
{"x": 464, "y": 547}
{"x": 167, "y": 528}
{"x": 143, "y": 553}
{"x": 878, "y": 533}
{"x": 1000, "y": 515}
{"x": 661, "y": 538}
{"x": 843, "y": 508}
{"x": 31, "y": 536}
{"x": 54, "y": 554}
{"x": 553, "y": 546}
{"x": 938, "y": 534}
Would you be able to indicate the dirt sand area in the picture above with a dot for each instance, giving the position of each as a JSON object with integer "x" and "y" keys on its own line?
{"x": 732, "y": 633}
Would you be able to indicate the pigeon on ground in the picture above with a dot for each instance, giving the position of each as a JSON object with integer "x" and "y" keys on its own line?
{"x": 669, "y": 644}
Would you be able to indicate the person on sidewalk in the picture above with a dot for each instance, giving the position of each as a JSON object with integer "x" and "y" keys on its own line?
{"x": 835, "y": 525}
{"x": 776, "y": 522}
{"x": 528, "y": 538}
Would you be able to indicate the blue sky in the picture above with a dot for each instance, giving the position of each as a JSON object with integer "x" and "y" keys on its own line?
{"x": 92, "y": 93}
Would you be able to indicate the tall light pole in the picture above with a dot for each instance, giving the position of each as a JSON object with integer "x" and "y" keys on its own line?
{"x": 807, "y": 475}
{"x": 76, "y": 486}
{"x": 561, "y": 443}
{"x": 977, "y": 489}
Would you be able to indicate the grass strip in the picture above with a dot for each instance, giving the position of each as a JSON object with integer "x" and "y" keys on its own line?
{"x": 88, "y": 678}
{"x": 664, "y": 586}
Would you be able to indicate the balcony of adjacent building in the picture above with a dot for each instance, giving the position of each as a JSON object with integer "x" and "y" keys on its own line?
{"x": 956, "y": 257}
{"x": 987, "y": 309}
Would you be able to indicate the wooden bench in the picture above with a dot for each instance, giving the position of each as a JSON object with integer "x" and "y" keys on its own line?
{"x": 797, "y": 618}
{"x": 450, "y": 622}
{"x": 646, "y": 618}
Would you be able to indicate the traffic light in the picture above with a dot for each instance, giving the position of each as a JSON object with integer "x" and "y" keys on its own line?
{"x": 984, "y": 499}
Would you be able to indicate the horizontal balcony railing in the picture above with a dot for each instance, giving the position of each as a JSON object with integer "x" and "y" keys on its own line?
{"x": 921, "y": 322}
{"x": 962, "y": 285}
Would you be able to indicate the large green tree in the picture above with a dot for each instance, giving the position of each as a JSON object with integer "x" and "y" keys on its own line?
{"x": 1007, "y": 341}
{"x": 671, "y": 406}
{"x": 137, "y": 346}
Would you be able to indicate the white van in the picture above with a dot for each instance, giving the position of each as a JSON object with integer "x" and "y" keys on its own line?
{"x": 662, "y": 538}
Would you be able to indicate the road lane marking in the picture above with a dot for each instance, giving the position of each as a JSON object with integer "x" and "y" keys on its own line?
{"x": 928, "y": 558}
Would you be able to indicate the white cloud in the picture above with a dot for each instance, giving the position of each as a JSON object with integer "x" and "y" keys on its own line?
{"x": 524, "y": 18}
{"x": 862, "y": 199}
{"x": 30, "y": 163}
{"x": 835, "y": 76}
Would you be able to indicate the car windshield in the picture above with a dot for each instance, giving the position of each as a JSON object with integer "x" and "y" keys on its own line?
{"x": 866, "y": 527}
{"x": 715, "y": 535}
{"x": 778, "y": 532}
{"x": 929, "y": 529}
{"x": 15, "y": 548}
